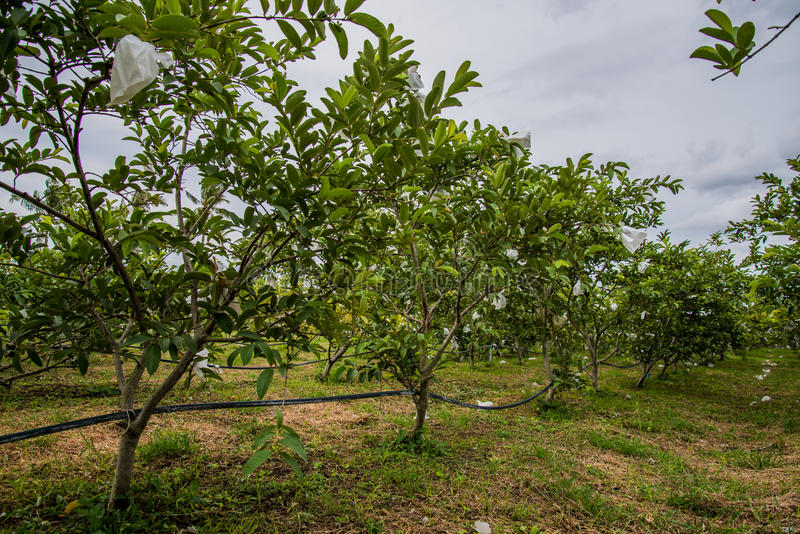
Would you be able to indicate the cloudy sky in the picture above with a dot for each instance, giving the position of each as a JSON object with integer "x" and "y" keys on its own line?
{"x": 613, "y": 77}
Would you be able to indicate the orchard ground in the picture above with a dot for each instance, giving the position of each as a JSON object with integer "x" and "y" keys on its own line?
{"x": 695, "y": 451}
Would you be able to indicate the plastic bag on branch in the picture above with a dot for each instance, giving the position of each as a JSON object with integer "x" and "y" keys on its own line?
{"x": 577, "y": 290}
{"x": 523, "y": 138}
{"x": 632, "y": 238}
{"x": 499, "y": 301}
{"x": 135, "y": 67}
{"x": 414, "y": 79}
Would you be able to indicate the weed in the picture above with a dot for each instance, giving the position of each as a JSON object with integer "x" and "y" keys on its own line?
{"x": 168, "y": 444}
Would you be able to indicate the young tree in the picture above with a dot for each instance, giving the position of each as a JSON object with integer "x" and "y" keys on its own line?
{"x": 773, "y": 232}
{"x": 444, "y": 243}
{"x": 691, "y": 302}
{"x": 164, "y": 253}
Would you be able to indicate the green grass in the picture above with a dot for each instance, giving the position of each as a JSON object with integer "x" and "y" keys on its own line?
{"x": 168, "y": 445}
{"x": 686, "y": 453}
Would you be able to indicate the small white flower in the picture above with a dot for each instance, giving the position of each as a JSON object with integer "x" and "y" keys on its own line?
{"x": 613, "y": 306}
{"x": 467, "y": 329}
{"x": 531, "y": 357}
{"x": 536, "y": 384}
{"x": 502, "y": 361}
{"x": 759, "y": 377}
{"x": 476, "y": 316}
{"x": 766, "y": 371}
{"x": 643, "y": 315}
{"x": 753, "y": 403}
{"x": 499, "y": 301}
{"x": 711, "y": 365}
{"x": 766, "y": 398}
{"x": 512, "y": 254}
{"x": 643, "y": 266}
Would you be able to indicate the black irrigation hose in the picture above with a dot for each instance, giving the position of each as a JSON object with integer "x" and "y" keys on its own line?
{"x": 130, "y": 414}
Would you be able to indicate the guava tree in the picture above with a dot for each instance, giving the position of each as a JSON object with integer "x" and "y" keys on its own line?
{"x": 773, "y": 233}
{"x": 443, "y": 243}
{"x": 691, "y": 301}
{"x": 585, "y": 209}
{"x": 612, "y": 206}
{"x": 234, "y": 174}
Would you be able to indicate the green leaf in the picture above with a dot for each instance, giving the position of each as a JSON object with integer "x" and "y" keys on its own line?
{"x": 295, "y": 444}
{"x": 448, "y": 270}
{"x": 595, "y": 248}
{"x": 338, "y": 213}
{"x": 112, "y": 32}
{"x": 293, "y": 464}
{"x": 369, "y": 22}
{"x": 34, "y": 356}
{"x": 708, "y": 53}
{"x": 174, "y": 7}
{"x": 720, "y": 19}
{"x": 263, "y": 382}
{"x": 224, "y": 322}
{"x": 341, "y": 38}
{"x": 255, "y": 461}
{"x": 83, "y": 362}
{"x": 719, "y": 34}
{"x": 351, "y": 5}
{"x": 340, "y": 192}
{"x": 265, "y": 6}
{"x": 177, "y": 25}
{"x": 744, "y": 37}
{"x": 136, "y": 339}
{"x": 152, "y": 358}
{"x": 290, "y": 33}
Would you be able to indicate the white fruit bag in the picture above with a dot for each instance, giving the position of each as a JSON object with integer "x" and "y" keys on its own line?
{"x": 632, "y": 238}
{"x": 135, "y": 67}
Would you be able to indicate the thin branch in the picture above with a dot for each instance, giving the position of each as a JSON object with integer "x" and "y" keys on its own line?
{"x": 52, "y": 211}
{"x": 67, "y": 278}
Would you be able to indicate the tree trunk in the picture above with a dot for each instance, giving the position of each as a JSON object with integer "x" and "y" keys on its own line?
{"x": 595, "y": 371}
{"x": 332, "y": 359}
{"x": 548, "y": 371}
{"x": 520, "y": 349}
{"x": 645, "y": 371}
{"x": 421, "y": 404}
{"x": 124, "y": 471}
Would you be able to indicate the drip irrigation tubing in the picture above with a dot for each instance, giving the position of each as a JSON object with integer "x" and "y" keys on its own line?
{"x": 202, "y": 406}
{"x": 175, "y": 408}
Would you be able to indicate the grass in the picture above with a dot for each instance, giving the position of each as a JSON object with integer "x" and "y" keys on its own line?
{"x": 686, "y": 453}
